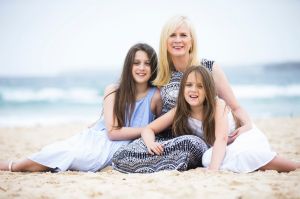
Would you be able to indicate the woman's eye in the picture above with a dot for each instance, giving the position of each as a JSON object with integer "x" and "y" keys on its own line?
{"x": 136, "y": 63}
{"x": 188, "y": 85}
{"x": 173, "y": 35}
{"x": 200, "y": 86}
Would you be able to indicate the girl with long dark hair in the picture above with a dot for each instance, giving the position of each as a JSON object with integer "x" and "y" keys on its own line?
{"x": 127, "y": 107}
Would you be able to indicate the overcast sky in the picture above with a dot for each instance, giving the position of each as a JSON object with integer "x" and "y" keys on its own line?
{"x": 55, "y": 36}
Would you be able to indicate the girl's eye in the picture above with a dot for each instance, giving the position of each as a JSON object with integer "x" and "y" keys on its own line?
{"x": 136, "y": 61}
{"x": 200, "y": 86}
{"x": 147, "y": 63}
{"x": 188, "y": 84}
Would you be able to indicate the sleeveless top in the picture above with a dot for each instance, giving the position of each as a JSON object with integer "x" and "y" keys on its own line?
{"x": 197, "y": 128}
{"x": 169, "y": 92}
{"x": 142, "y": 114}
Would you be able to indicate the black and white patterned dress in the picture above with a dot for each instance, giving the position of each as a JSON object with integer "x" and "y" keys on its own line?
{"x": 180, "y": 153}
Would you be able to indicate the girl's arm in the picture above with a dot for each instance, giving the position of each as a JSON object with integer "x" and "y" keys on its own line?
{"x": 158, "y": 125}
{"x": 124, "y": 133}
{"x": 225, "y": 92}
{"x": 156, "y": 103}
{"x": 221, "y": 134}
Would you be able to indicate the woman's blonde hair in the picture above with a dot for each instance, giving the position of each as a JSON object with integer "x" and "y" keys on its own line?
{"x": 165, "y": 65}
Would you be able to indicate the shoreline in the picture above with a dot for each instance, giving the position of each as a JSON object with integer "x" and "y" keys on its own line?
{"x": 17, "y": 142}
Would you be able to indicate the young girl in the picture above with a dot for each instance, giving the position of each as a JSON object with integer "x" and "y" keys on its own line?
{"x": 127, "y": 108}
{"x": 201, "y": 113}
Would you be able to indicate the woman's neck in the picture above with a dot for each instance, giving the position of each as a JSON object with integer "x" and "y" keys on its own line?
{"x": 141, "y": 90}
{"x": 181, "y": 62}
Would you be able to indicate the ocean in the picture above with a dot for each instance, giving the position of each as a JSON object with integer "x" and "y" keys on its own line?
{"x": 263, "y": 90}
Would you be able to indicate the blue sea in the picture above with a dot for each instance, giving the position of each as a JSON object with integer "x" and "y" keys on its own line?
{"x": 263, "y": 90}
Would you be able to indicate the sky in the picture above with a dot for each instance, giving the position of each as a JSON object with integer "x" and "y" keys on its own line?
{"x": 60, "y": 36}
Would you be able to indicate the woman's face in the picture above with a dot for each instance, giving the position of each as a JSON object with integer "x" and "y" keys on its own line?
{"x": 194, "y": 93}
{"x": 179, "y": 42}
{"x": 141, "y": 69}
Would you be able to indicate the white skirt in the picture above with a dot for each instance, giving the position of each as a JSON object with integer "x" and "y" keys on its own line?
{"x": 249, "y": 152}
{"x": 90, "y": 150}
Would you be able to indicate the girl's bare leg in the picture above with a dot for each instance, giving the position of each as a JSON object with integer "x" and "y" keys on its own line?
{"x": 23, "y": 165}
{"x": 281, "y": 164}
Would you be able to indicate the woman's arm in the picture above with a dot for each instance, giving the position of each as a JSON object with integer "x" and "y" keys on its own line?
{"x": 158, "y": 125}
{"x": 124, "y": 133}
{"x": 221, "y": 134}
{"x": 225, "y": 92}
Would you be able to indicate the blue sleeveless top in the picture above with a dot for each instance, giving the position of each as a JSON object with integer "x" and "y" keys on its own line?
{"x": 142, "y": 114}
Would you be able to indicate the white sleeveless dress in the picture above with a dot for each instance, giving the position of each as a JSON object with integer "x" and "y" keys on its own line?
{"x": 249, "y": 151}
{"x": 92, "y": 150}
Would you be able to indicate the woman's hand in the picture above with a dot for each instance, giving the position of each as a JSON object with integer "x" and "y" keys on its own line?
{"x": 238, "y": 132}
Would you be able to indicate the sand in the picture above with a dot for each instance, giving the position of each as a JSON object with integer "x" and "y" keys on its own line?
{"x": 283, "y": 134}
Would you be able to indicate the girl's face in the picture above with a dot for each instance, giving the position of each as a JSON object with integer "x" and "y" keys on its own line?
{"x": 180, "y": 41}
{"x": 194, "y": 93}
{"x": 141, "y": 69}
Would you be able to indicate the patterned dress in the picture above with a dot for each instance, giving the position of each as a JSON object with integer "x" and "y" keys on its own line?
{"x": 180, "y": 153}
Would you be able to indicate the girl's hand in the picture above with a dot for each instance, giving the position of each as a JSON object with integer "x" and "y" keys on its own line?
{"x": 238, "y": 132}
{"x": 211, "y": 169}
{"x": 155, "y": 148}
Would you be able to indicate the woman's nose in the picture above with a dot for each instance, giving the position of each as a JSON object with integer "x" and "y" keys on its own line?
{"x": 177, "y": 38}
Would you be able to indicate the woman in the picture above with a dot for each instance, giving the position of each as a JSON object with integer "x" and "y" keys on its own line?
{"x": 178, "y": 51}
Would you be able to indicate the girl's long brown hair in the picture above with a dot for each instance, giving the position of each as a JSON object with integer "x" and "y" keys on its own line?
{"x": 125, "y": 93}
{"x": 183, "y": 110}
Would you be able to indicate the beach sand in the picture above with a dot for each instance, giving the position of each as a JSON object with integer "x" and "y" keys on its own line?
{"x": 17, "y": 142}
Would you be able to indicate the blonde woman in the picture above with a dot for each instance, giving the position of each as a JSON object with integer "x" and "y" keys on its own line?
{"x": 177, "y": 52}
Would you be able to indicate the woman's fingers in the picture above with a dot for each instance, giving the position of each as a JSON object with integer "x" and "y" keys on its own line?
{"x": 233, "y": 136}
{"x": 238, "y": 132}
